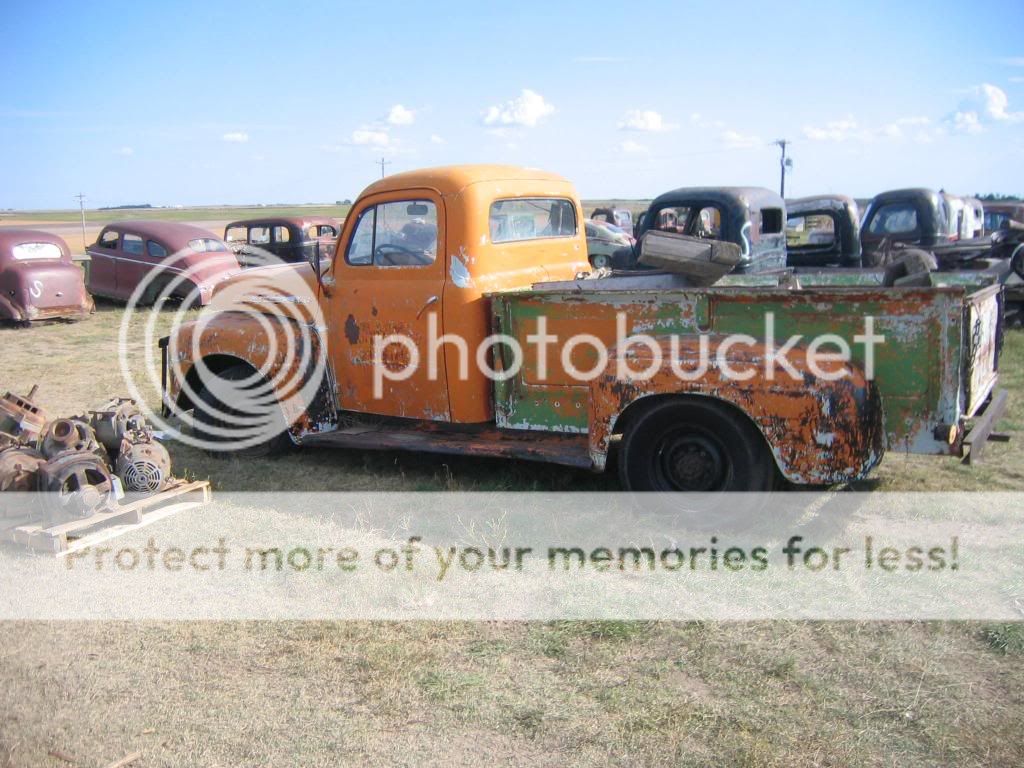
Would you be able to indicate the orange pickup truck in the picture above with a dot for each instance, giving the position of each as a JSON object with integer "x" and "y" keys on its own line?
{"x": 458, "y": 315}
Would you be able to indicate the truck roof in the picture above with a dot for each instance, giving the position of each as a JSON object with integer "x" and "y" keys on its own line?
{"x": 451, "y": 179}
{"x": 754, "y": 197}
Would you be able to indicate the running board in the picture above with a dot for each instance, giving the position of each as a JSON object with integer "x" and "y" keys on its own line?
{"x": 551, "y": 447}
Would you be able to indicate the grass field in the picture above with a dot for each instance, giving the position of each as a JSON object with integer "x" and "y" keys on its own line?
{"x": 557, "y": 693}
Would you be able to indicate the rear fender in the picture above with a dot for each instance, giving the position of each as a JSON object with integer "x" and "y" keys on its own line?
{"x": 819, "y": 431}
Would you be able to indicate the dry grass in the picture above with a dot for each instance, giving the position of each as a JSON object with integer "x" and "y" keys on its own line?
{"x": 422, "y": 693}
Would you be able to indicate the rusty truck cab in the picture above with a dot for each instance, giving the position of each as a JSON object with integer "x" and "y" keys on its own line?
{"x": 417, "y": 254}
{"x": 292, "y": 239}
{"x": 917, "y": 216}
{"x": 751, "y": 217}
{"x": 823, "y": 231}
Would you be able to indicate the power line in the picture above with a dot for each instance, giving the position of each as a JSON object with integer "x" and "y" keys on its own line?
{"x": 81, "y": 207}
{"x": 784, "y": 165}
{"x": 382, "y": 162}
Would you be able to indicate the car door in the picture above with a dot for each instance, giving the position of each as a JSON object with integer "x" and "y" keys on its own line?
{"x": 103, "y": 255}
{"x": 132, "y": 266}
{"x": 389, "y": 283}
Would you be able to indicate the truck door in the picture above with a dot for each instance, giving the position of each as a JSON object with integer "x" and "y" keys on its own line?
{"x": 389, "y": 280}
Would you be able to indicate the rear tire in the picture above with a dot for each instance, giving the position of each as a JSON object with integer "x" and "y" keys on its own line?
{"x": 694, "y": 446}
{"x": 205, "y": 415}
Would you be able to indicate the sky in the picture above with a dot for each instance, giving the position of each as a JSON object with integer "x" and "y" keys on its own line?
{"x": 205, "y": 103}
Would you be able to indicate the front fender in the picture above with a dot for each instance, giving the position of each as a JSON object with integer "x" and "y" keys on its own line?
{"x": 276, "y": 347}
{"x": 819, "y": 431}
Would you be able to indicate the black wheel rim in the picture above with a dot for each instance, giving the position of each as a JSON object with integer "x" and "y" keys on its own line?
{"x": 691, "y": 461}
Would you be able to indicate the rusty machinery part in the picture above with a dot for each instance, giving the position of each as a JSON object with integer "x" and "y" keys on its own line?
{"x": 18, "y": 467}
{"x": 65, "y": 435}
{"x": 77, "y": 485}
{"x": 21, "y": 420}
{"x": 143, "y": 465}
{"x": 113, "y": 420}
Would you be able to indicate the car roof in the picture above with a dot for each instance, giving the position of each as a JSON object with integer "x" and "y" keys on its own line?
{"x": 820, "y": 203}
{"x": 451, "y": 179}
{"x": 12, "y": 236}
{"x": 296, "y": 221}
{"x": 172, "y": 234}
{"x": 754, "y": 197}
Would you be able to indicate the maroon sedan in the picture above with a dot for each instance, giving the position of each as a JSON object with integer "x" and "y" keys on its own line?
{"x": 38, "y": 280}
{"x": 128, "y": 252}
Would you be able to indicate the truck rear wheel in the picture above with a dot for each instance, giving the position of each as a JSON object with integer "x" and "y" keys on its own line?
{"x": 694, "y": 446}
{"x": 212, "y": 412}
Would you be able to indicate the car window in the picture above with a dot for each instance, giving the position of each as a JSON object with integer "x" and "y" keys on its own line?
{"x": 204, "y": 244}
{"x": 108, "y": 239}
{"x": 894, "y": 219}
{"x": 810, "y": 231}
{"x": 326, "y": 230}
{"x": 155, "y": 250}
{"x": 672, "y": 219}
{"x": 395, "y": 235}
{"x": 707, "y": 223}
{"x": 235, "y": 235}
{"x": 132, "y": 244}
{"x": 531, "y": 219}
{"x": 259, "y": 235}
{"x": 282, "y": 234}
{"x": 36, "y": 251}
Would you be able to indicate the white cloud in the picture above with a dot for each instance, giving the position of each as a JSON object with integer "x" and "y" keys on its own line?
{"x": 399, "y": 115}
{"x": 236, "y": 137}
{"x": 631, "y": 147}
{"x": 1017, "y": 79}
{"x": 527, "y": 110}
{"x": 895, "y": 129}
{"x": 836, "y": 130}
{"x": 1014, "y": 61}
{"x": 369, "y": 137}
{"x": 984, "y": 104}
{"x": 646, "y": 120}
{"x": 738, "y": 140}
{"x": 124, "y": 151}
{"x": 435, "y": 139}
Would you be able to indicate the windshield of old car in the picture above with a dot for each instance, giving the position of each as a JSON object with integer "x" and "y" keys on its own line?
{"x": 399, "y": 234}
{"x": 204, "y": 244}
{"x": 34, "y": 251}
{"x": 235, "y": 235}
{"x": 531, "y": 219}
{"x": 894, "y": 219}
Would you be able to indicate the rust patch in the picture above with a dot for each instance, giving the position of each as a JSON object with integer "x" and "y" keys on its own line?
{"x": 352, "y": 330}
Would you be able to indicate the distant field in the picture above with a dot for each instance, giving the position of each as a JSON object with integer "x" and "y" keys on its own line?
{"x": 200, "y": 213}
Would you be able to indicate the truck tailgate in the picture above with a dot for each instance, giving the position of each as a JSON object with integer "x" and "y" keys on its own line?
{"x": 982, "y": 341}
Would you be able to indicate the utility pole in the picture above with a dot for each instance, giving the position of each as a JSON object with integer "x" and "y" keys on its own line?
{"x": 81, "y": 207}
{"x": 382, "y": 162}
{"x": 784, "y": 165}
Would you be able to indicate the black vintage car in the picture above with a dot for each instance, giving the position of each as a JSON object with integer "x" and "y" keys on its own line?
{"x": 751, "y": 217}
{"x": 288, "y": 238}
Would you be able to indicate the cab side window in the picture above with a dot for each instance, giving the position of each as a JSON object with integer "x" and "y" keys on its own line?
{"x": 155, "y": 250}
{"x": 132, "y": 244}
{"x": 399, "y": 234}
{"x": 282, "y": 234}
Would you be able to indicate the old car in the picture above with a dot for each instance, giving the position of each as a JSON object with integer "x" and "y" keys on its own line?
{"x": 126, "y": 253}
{"x": 751, "y": 217}
{"x": 620, "y": 217}
{"x": 997, "y": 215}
{"x": 604, "y": 241}
{"x": 823, "y": 231}
{"x": 38, "y": 279}
{"x": 506, "y": 262}
{"x": 287, "y": 238}
{"x": 918, "y": 217}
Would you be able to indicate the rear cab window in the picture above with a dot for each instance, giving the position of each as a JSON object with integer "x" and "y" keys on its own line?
{"x": 899, "y": 218}
{"x": 810, "y": 230}
{"x": 536, "y": 218}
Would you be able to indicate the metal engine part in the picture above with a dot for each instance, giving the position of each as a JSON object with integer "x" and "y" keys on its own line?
{"x": 21, "y": 420}
{"x": 113, "y": 420}
{"x": 143, "y": 465}
{"x": 65, "y": 435}
{"x": 77, "y": 485}
{"x": 19, "y": 469}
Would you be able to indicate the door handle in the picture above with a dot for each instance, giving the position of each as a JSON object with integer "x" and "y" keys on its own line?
{"x": 430, "y": 301}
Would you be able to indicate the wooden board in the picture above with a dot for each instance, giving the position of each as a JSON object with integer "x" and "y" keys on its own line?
{"x": 75, "y": 535}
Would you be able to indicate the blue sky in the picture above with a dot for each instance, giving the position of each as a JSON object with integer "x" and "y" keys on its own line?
{"x": 206, "y": 103}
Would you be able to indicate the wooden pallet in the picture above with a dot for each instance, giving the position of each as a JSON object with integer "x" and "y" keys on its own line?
{"x": 75, "y": 535}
